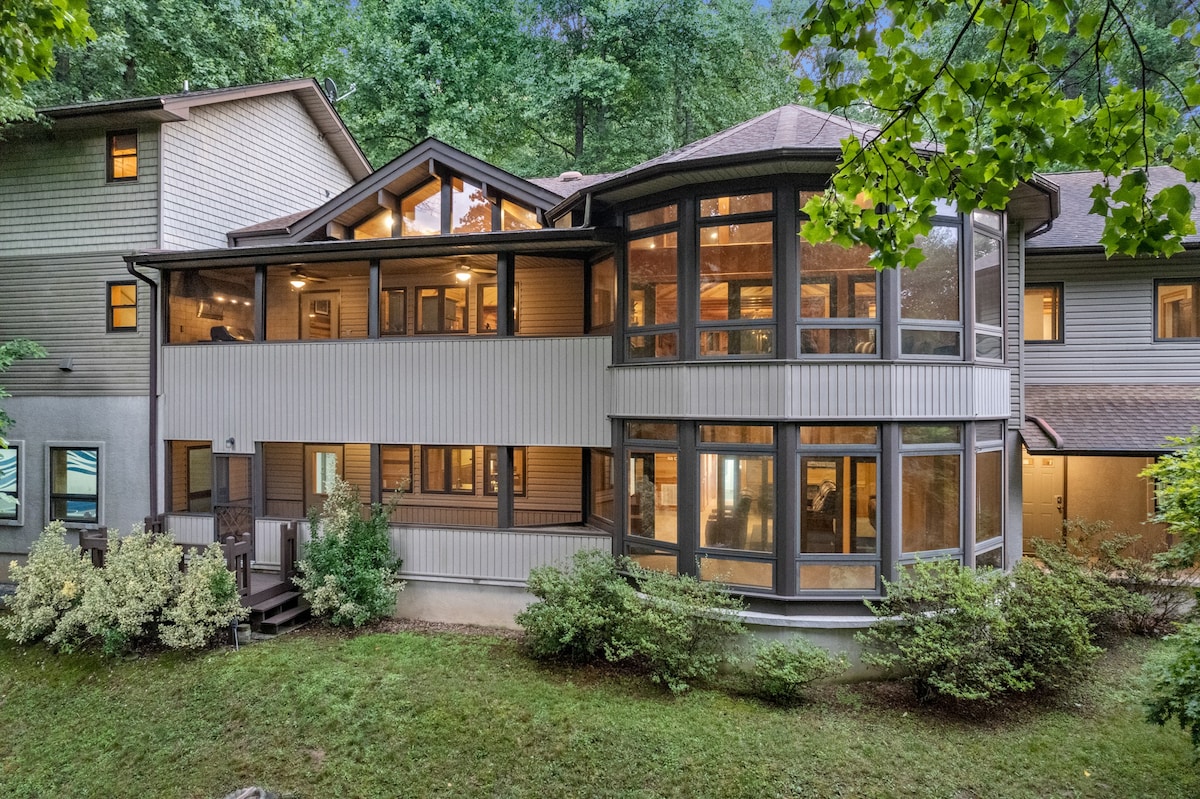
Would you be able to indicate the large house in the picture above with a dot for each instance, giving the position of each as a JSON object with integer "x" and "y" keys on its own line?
{"x": 95, "y": 183}
{"x": 650, "y": 362}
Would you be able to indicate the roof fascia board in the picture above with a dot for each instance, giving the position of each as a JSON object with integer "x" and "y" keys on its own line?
{"x": 544, "y": 240}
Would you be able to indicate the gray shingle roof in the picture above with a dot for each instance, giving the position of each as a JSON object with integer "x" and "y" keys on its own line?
{"x": 564, "y": 188}
{"x": 1075, "y": 227}
{"x": 1118, "y": 418}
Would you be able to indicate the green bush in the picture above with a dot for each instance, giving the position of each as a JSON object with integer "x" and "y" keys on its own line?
{"x": 348, "y": 572}
{"x": 1085, "y": 564}
{"x": 207, "y": 602}
{"x": 678, "y": 630}
{"x": 675, "y": 629}
{"x": 784, "y": 670}
{"x": 48, "y": 585}
{"x": 979, "y": 634}
{"x": 1175, "y": 677}
{"x": 579, "y": 610}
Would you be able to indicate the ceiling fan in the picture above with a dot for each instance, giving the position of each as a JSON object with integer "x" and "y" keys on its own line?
{"x": 299, "y": 278}
{"x": 463, "y": 271}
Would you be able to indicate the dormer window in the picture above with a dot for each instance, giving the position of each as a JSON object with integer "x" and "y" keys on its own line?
{"x": 122, "y": 156}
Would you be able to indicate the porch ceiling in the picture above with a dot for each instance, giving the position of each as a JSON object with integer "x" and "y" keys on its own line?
{"x": 1107, "y": 419}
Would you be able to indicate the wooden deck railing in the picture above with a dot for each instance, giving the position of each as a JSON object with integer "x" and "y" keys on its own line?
{"x": 94, "y": 543}
{"x": 237, "y": 560}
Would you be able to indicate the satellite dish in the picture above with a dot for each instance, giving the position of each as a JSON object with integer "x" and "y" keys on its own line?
{"x": 331, "y": 90}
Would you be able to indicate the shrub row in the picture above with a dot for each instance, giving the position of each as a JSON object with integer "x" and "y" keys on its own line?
{"x": 140, "y": 595}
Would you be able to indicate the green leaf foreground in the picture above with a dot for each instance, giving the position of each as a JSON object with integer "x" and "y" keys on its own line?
{"x": 972, "y": 98}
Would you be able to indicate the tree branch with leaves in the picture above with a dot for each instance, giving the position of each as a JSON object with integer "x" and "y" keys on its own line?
{"x": 972, "y": 97}
{"x": 10, "y": 353}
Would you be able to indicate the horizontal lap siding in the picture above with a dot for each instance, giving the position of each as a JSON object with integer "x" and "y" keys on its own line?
{"x": 61, "y": 302}
{"x": 238, "y": 163}
{"x": 1108, "y": 312}
{"x": 550, "y": 296}
{"x": 54, "y": 195}
{"x": 447, "y": 391}
{"x": 554, "y": 487}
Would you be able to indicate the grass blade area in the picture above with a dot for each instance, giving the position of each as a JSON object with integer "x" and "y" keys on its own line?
{"x": 418, "y": 715}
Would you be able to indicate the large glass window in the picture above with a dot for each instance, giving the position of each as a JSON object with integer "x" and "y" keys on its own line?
{"x": 652, "y": 302}
{"x": 603, "y": 293}
{"x": 376, "y": 226}
{"x": 839, "y": 293}
{"x": 989, "y": 298}
{"x": 395, "y": 468}
{"x": 989, "y": 495}
{"x": 122, "y": 156}
{"x": 737, "y": 504}
{"x": 75, "y": 484}
{"x": 488, "y": 309}
{"x": 517, "y": 217}
{"x": 491, "y": 471}
{"x": 1178, "y": 313}
{"x": 654, "y": 495}
{"x": 442, "y": 309}
{"x": 471, "y": 212}
{"x": 448, "y": 470}
{"x": 931, "y": 293}
{"x": 10, "y": 483}
{"x": 736, "y": 286}
{"x": 931, "y": 487}
{"x": 421, "y": 210}
{"x": 602, "y": 500}
{"x": 1044, "y": 312}
{"x": 214, "y": 305}
{"x": 393, "y": 311}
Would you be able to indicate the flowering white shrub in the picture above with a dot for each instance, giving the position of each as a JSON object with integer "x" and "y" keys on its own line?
{"x": 208, "y": 601}
{"x": 124, "y": 600}
{"x": 348, "y": 572}
{"x": 48, "y": 585}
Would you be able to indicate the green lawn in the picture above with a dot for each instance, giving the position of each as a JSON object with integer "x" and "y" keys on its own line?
{"x": 423, "y": 715}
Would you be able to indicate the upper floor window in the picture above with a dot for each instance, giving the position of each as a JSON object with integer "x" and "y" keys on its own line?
{"x": 517, "y": 217}
{"x": 1044, "y": 312}
{"x": 472, "y": 209}
{"x": 122, "y": 150}
{"x": 122, "y": 306}
{"x": 989, "y": 295}
{"x": 74, "y": 484}
{"x": 652, "y": 293}
{"x": 421, "y": 210}
{"x": 930, "y": 297}
{"x": 736, "y": 269}
{"x": 1177, "y": 313}
{"x": 839, "y": 298}
{"x": 442, "y": 309}
{"x": 395, "y": 468}
{"x": 10, "y": 483}
{"x": 491, "y": 471}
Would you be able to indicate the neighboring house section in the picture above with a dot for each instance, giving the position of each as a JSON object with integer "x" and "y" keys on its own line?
{"x": 1112, "y": 368}
{"x": 651, "y": 362}
{"x": 79, "y": 190}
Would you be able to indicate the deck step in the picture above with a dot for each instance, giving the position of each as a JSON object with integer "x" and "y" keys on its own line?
{"x": 285, "y": 619}
{"x": 265, "y": 606}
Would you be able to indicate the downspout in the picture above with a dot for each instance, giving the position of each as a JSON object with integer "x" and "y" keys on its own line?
{"x": 153, "y": 392}
{"x": 1045, "y": 427}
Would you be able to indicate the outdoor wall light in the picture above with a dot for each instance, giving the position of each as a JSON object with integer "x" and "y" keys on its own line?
{"x": 230, "y": 443}
{"x": 67, "y": 364}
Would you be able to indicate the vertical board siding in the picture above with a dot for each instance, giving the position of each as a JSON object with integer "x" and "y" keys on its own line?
{"x": 493, "y": 555}
{"x": 515, "y": 392}
{"x": 55, "y": 198}
{"x": 1108, "y": 314}
{"x": 267, "y": 541}
{"x": 61, "y": 302}
{"x": 238, "y": 163}
{"x": 811, "y": 391}
{"x": 191, "y": 529}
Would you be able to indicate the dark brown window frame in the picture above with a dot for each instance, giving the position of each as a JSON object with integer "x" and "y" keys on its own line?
{"x": 1174, "y": 281}
{"x": 408, "y": 447}
{"x": 441, "y": 331}
{"x": 488, "y": 461}
{"x": 110, "y": 156}
{"x": 112, "y": 327}
{"x": 447, "y": 449}
{"x": 1059, "y": 321}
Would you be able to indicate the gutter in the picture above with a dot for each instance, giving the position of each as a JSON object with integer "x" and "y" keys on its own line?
{"x": 153, "y": 390}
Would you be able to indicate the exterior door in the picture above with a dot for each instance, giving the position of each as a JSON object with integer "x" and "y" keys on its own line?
{"x": 1044, "y": 497}
{"x": 232, "y": 494}
{"x": 319, "y": 315}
